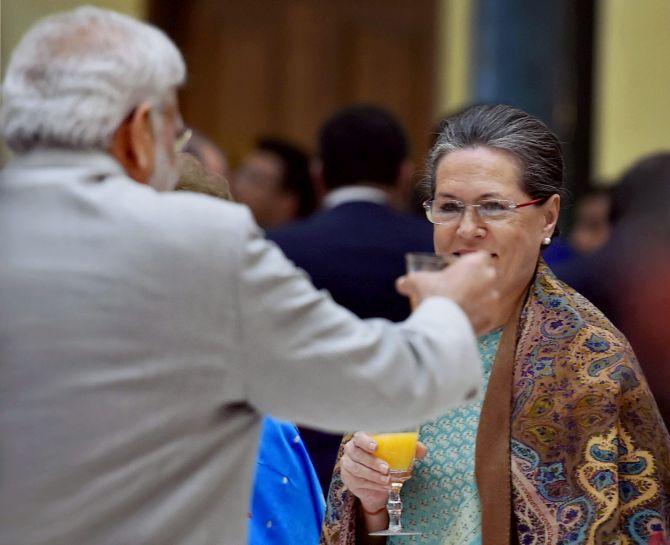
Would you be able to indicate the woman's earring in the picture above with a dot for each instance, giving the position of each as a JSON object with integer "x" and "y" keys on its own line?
{"x": 546, "y": 241}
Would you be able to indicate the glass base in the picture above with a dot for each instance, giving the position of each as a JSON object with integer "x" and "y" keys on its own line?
{"x": 392, "y": 533}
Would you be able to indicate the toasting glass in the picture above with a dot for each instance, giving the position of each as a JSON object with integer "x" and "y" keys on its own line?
{"x": 424, "y": 261}
{"x": 397, "y": 450}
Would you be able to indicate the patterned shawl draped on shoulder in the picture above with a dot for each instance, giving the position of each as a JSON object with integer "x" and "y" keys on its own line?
{"x": 590, "y": 455}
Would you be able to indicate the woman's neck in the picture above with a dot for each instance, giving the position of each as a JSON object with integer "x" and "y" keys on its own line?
{"x": 509, "y": 305}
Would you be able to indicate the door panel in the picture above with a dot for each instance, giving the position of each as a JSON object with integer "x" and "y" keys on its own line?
{"x": 282, "y": 66}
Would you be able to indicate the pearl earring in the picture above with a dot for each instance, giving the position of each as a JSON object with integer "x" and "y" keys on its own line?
{"x": 546, "y": 241}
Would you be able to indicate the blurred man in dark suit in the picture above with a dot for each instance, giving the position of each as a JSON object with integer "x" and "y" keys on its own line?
{"x": 355, "y": 246}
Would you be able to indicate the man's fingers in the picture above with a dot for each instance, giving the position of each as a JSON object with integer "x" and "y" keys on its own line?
{"x": 408, "y": 285}
{"x": 401, "y": 285}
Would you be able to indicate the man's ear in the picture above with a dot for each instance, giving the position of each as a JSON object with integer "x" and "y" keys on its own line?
{"x": 316, "y": 173}
{"x": 133, "y": 144}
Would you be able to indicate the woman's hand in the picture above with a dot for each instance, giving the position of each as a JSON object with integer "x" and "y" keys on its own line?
{"x": 365, "y": 475}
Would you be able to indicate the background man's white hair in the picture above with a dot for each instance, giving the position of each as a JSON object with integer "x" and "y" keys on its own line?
{"x": 75, "y": 76}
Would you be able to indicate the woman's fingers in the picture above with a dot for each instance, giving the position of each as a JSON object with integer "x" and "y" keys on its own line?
{"x": 364, "y": 441}
{"x": 362, "y": 473}
{"x": 357, "y": 453}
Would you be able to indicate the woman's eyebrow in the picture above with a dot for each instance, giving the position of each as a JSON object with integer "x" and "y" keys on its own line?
{"x": 484, "y": 196}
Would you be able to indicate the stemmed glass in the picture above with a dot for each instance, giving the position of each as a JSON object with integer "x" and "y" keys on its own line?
{"x": 397, "y": 450}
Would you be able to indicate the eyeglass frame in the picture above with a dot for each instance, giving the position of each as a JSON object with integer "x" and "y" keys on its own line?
{"x": 427, "y": 206}
{"x": 183, "y": 134}
{"x": 182, "y": 138}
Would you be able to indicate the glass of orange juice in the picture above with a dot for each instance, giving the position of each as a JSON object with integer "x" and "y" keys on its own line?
{"x": 397, "y": 450}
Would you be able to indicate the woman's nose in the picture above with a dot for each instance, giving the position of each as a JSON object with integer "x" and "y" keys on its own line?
{"x": 470, "y": 225}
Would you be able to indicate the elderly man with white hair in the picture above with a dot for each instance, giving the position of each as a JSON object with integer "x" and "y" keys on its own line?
{"x": 143, "y": 333}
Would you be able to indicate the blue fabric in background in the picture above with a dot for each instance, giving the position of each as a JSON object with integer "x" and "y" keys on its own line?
{"x": 287, "y": 505}
{"x": 558, "y": 253}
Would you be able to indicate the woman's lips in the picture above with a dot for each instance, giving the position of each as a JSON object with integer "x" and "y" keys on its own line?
{"x": 461, "y": 252}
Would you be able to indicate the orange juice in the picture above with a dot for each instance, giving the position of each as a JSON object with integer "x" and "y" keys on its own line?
{"x": 397, "y": 449}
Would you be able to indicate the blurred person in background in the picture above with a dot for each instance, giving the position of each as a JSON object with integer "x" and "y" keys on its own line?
{"x": 131, "y": 410}
{"x": 591, "y": 229}
{"x": 196, "y": 177}
{"x": 274, "y": 181}
{"x": 629, "y": 277}
{"x": 287, "y": 504}
{"x": 208, "y": 153}
{"x": 355, "y": 246}
{"x": 593, "y": 225}
{"x": 567, "y": 445}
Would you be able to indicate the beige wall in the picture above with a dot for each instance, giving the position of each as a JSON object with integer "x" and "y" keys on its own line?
{"x": 17, "y": 15}
{"x": 631, "y": 80}
{"x": 632, "y": 83}
{"x": 453, "y": 71}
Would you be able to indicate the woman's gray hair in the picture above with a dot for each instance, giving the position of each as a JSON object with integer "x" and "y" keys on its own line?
{"x": 509, "y": 129}
{"x": 75, "y": 77}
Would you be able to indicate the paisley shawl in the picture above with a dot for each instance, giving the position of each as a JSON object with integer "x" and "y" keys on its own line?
{"x": 589, "y": 454}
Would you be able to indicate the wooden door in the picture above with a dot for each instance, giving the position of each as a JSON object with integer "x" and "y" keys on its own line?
{"x": 280, "y": 67}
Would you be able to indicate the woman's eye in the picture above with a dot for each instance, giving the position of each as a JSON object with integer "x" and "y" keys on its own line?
{"x": 450, "y": 207}
{"x": 493, "y": 206}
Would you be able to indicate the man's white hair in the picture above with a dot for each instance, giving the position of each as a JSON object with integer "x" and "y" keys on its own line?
{"x": 75, "y": 76}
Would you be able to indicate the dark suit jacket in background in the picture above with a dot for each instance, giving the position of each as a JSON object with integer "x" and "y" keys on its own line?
{"x": 355, "y": 251}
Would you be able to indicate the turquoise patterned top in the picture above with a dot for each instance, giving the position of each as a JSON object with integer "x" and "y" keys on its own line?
{"x": 441, "y": 499}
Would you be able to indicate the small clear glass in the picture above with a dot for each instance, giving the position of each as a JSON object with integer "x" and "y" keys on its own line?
{"x": 424, "y": 261}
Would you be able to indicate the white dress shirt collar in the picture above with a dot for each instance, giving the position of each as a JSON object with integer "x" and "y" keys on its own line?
{"x": 351, "y": 193}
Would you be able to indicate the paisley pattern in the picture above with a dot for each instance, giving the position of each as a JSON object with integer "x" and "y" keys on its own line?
{"x": 590, "y": 455}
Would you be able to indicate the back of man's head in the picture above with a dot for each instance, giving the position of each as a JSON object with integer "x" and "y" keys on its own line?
{"x": 75, "y": 76}
{"x": 362, "y": 144}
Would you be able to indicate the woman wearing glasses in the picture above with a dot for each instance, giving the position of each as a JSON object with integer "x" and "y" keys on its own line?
{"x": 567, "y": 445}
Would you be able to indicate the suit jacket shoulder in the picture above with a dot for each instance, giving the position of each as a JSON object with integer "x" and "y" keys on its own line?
{"x": 356, "y": 251}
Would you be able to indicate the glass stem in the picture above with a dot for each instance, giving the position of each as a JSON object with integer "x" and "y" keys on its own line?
{"x": 394, "y": 507}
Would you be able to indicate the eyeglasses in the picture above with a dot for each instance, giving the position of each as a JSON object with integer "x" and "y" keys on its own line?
{"x": 182, "y": 139}
{"x": 445, "y": 211}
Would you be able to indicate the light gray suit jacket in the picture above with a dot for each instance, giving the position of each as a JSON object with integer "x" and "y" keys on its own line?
{"x": 141, "y": 337}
